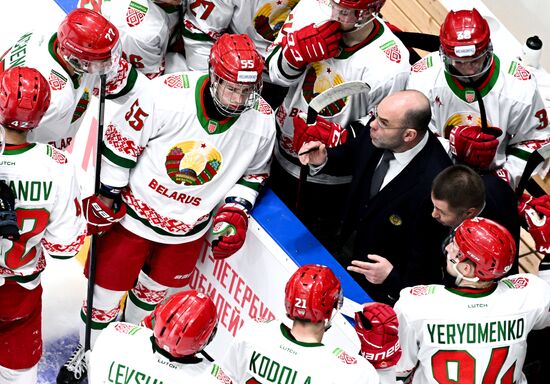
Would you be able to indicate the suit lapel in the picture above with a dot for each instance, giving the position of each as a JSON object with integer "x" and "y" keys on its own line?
{"x": 405, "y": 180}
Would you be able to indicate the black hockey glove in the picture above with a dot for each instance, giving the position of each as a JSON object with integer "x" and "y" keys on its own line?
{"x": 8, "y": 220}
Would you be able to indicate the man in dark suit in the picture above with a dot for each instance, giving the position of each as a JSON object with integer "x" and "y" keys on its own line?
{"x": 397, "y": 242}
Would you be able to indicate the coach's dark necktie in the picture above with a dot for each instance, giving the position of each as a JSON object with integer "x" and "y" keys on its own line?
{"x": 380, "y": 172}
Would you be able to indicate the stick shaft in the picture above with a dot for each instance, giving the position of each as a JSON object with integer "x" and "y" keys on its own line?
{"x": 92, "y": 254}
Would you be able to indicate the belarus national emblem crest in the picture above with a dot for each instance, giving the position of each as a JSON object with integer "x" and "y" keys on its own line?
{"x": 192, "y": 163}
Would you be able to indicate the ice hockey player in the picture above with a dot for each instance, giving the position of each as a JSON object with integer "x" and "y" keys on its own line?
{"x": 145, "y": 28}
{"x": 474, "y": 332}
{"x": 313, "y": 296}
{"x": 261, "y": 20}
{"x": 84, "y": 46}
{"x": 165, "y": 348}
{"x": 39, "y": 183}
{"x": 189, "y": 153}
{"x": 470, "y": 87}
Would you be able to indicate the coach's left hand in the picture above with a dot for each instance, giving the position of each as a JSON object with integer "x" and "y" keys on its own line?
{"x": 375, "y": 271}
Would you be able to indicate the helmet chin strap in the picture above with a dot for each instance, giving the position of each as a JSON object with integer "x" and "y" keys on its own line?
{"x": 460, "y": 276}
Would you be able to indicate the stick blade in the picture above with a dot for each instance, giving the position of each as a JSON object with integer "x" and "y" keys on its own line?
{"x": 338, "y": 92}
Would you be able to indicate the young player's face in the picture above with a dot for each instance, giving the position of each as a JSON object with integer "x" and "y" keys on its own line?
{"x": 469, "y": 67}
{"x": 444, "y": 214}
{"x": 169, "y": 2}
{"x": 99, "y": 67}
{"x": 349, "y": 18}
{"x": 234, "y": 96}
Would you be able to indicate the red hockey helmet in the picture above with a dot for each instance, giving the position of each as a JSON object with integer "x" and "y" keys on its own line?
{"x": 235, "y": 74}
{"x": 488, "y": 245}
{"x": 89, "y": 42}
{"x": 465, "y": 41}
{"x": 24, "y": 98}
{"x": 185, "y": 323}
{"x": 312, "y": 293}
{"x": 358, "y": 12}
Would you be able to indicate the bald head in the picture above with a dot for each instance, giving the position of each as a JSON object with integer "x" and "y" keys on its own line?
{"x": 401, "y": 121}
{"x": 413, "y": 109}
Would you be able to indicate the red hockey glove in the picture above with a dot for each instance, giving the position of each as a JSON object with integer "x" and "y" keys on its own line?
{"x": 312, "y": 43}
{"x": 472, "y": 147}
{"x": 100, "y": 217}
{"x": 540, "y": 204}
{"x": 377, "y": 328}
{"x": 230, "y": 225}
{"x": 539, "y": 228}
{"x": 147, "y": 321}
{"x": 330, "y": 134}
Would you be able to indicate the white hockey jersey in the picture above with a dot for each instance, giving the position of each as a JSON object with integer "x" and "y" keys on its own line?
{"x": 123, "y": 353}
{"x": 178, "y": 163}
{"x": 266, "y": 352}
{"x": 70, "y": 95}
{"x": 48, "y": 209}
{"x": 512, "y": 103}
{"x": 144, "y": 31}
{"x": 206, "y": 21}
{"x": 381, "y": 60}
{"x": 470, "y": 336}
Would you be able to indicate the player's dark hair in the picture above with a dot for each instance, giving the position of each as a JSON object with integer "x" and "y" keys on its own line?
{"x": 460, "y": 186}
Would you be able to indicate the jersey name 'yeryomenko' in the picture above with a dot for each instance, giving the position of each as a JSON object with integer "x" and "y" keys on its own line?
{"x": 70, "y": 95}
{"x": 49, "y": 214}
{"x": 381, "y": 60}
{"x": 178, "y": 163}
{"x": 512, "y": 103}
{"x": 470, "y": 336}
{"x": 123, "y": 353}
{"x": 266, "y": 352}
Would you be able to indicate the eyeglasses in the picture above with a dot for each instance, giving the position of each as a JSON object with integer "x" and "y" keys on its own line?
{"x": 382, "y": 123}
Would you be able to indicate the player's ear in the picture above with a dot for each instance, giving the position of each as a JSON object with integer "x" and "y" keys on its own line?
{"x": 470, "y": 213}
{"x": 468, "y": 268}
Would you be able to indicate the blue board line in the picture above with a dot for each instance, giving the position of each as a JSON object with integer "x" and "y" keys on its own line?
{"x": 67, "y": 5}
{"x": 299, "y": 244}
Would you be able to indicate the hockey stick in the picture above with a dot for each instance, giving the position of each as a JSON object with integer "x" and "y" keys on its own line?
{"x": 316, "y": 105}
{"x": 91, "y": 256}
{"x": 535, "y": 158}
